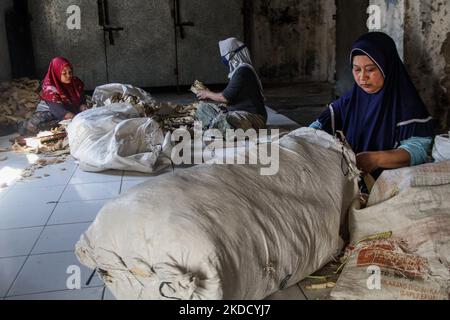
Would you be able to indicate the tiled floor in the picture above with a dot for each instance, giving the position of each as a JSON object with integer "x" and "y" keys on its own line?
{"x": 42, "y": 218}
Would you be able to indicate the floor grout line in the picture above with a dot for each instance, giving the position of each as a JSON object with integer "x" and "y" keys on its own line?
{"x": 20, "y": 228}
{"x": 39, "y": 236}
{"x": 47, "y": 225}
{"x": 42, "y": 292}
{"x": 303, "y": 292}
{"x": 121, "y": 182}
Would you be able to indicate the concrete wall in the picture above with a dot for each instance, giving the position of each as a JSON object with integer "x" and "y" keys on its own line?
{"x": 393, "y": 20}
{"x": 293, "y": 40}
{"x": 427, "y": 54}
{"x": 5, "y": 65}
{"x": 421, "y": 30}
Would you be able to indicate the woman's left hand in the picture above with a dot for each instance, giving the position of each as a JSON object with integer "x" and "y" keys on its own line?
{"x": 367, "y": 162}
{"x": 203, "y": 94}
{"x": 83, "y": 107}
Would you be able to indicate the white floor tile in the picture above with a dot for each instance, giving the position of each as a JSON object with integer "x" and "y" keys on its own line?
{"x": 12, "y": 168}
{"x": 108, "y": 295}
{"x": 4, "y": 140}
{"x": 74, "y": 212}
{"x": 82, "y": 177}
{"x": 32, "y": 196}
{"x": 60, "y": 238}
{"x": 9, "y": 268}
{"x": 51, "y": 175}
{"x": 48, "y": 272}
{"x": 18, "y": 242}
{"x": 292, "y": 293}
{"x": 91, "y": 191}
{"x": 20, "y": 216}
{"x": 127, "y": 185}
{"x": 4, "y": 191}
{"x": 132, "y": 175}
{"x": 82, "y": 294}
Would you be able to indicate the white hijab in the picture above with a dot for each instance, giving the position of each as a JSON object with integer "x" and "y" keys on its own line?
{"x": 238, "y": 60}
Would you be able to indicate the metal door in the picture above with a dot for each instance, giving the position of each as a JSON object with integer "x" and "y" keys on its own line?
{"x": 140, "y": 42}
{"x": 149, "y": 43}
{"x": 51, "y": 38}
{"x": 201, "y": 25}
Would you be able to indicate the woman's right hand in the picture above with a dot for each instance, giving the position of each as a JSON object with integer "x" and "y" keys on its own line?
{"x": 203, "y": 94}
{"x": 69, "y": 116}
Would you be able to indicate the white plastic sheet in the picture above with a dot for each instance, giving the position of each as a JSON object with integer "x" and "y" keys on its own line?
{"x": 115, "y": 137}
{"x": 441, "y": 149}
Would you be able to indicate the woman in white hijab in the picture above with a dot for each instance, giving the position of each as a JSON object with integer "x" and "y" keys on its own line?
{"x": 243, "y": 96}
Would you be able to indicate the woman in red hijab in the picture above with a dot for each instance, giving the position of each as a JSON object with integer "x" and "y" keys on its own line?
{"x": 62, "y": 98}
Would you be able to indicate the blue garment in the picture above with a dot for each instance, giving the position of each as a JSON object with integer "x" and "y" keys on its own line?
{"x": 381, "y": 121}
{"x": 418, "y": 148}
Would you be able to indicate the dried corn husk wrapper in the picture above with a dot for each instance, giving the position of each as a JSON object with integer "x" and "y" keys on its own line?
{"x": 18, "y": 100}
{"x": 169, "y": 115}
{"x": 197, "y": 86}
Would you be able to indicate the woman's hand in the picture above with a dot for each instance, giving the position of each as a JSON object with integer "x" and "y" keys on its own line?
{"x": 83, "y": 107}
{"x": 204, "y": 94}
{"x": 69, "y": 116}
{"x": 209, "y": 95}
{"x": 367, "y": 162}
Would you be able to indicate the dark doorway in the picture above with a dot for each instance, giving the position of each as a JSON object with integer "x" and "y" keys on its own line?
{"x": 351, "y": 19}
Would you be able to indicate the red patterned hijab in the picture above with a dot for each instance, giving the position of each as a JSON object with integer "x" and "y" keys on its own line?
{"x": 53, "y": 90}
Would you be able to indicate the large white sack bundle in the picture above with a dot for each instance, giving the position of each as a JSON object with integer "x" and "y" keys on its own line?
{"x": 441, "y": 148}
{"x": 116, "y": 137}
{"x": 225, "y": 231}
{"x": 414, "y": 204}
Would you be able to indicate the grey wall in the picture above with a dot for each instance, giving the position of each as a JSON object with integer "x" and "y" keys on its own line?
{"x": 350, "y": 25}
{"x": 293, "y": 40}
{"x": 393, "y": 20}
{"x": 422, "y": 32}
{"x": 427, "y": 54}
{"x": 5, "y": 65}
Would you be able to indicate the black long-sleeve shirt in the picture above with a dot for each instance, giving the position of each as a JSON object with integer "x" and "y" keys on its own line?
{"x": 244, "y": 94}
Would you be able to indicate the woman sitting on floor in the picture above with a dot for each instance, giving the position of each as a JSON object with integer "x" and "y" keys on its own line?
{"x": 383, "y": 117}
{"x": 62, "y": 98}
{"x": 243, "y": 95}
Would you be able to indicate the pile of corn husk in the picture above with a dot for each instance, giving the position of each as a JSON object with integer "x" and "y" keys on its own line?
{"x": 147, "y": 109}
{"x": 169, "y": 115}
{"x": 175, "y": 116}
{"x": 18, "y": 100}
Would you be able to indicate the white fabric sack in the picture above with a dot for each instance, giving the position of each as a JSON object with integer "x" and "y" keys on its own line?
{"x": 414, "y": 204}
{"x": 103, "y": 93}
{"x": 224, "y": 231}
{"x": 441, "y": 148}
{"x": 115, "y": 137}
